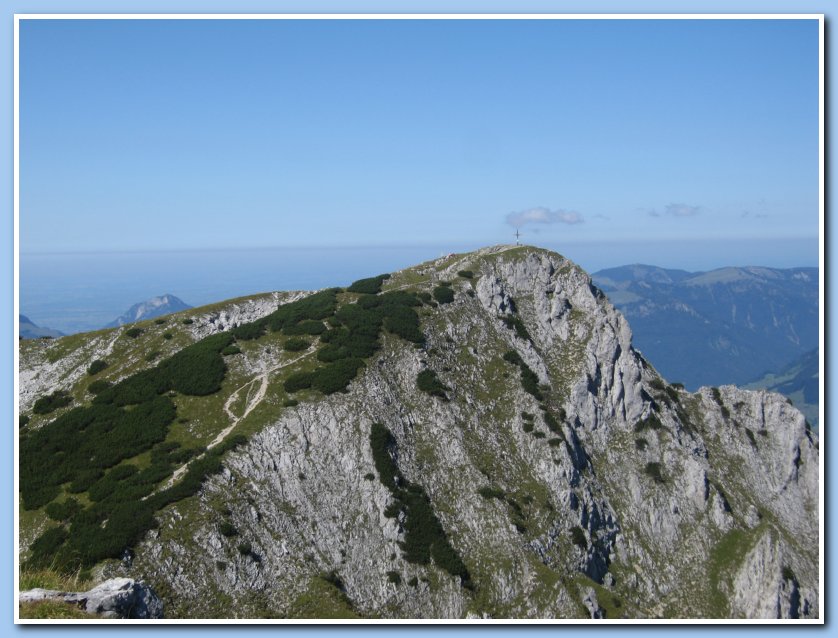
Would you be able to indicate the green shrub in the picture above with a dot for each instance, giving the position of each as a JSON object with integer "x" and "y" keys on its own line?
{"x": 428, "y": 382}
{"x": 335, "y": 376}
{"x": 369, "y": 476}
{"x": 245, "y": 548}
{"x": 298, "y": 381}
{"x": 526, "y": 415}
{"x": 230, "y": 350}
{"x": 528, "y": 426}
{"x": 133, "y": 332}
{"x": 717, "y": 397}
{"x": 290, "y": 403}
{"x": 467, "y": 274}
{"x": 159, "y": 322}
{"x": 305, "y": 327}
{"x": 654, "y": 470}
{"x": 555, "y": 442}
{"x": 249, "y": 331}
{"x": 490, "y": 491}
{"x": 529, "y": 380}
{"x": 97, "y": 366}
{"x": 413, "y": 582}
{"x": 513, "y": 322}
{"x": 641, "y": 443}
{"x": 443, "y": 294}
{"x": 425, "y": 538}
{"x": 578, "y": 536}
{"x": 295, "y": 344}
{"x": 167, "y": 336}
{"x": 151, "y": 356}
{"x": 381, "y": 445}
{"x": 226, "y": 528}
{"x": 650, "y": 422}
{"x": 369, "y": 286}
{"x": 392, "y": 510}
{"x": 52, "y": 402}
{"x": 394, "y": 577}
{"x": 22, "y": 421}
{"x": 318, "y": 306}
{"x": 552, "y": 423}
{"x": 63, "y": 511}
{"x": 539, "y": 435}
{"x": 187, "y": 322}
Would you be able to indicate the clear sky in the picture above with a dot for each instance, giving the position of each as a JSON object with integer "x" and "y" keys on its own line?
{"x": 210, "y": 134}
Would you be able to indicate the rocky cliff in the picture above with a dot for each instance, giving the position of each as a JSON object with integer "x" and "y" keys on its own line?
{"x": 543, "y": 462}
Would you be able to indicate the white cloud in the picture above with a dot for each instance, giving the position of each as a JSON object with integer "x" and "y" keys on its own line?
{"x": 682, "y": 210}
{"x": 542, "y": 215}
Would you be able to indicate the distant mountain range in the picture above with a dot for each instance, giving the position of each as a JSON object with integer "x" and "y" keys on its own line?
{"x": 730, "y": 325}
{"x": 799, "y": 382}
{"x": 29, "y": 330}
{"x": 154, "y": 307}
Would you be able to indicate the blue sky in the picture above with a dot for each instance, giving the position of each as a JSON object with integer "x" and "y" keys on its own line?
{"x": 213, "y": 134}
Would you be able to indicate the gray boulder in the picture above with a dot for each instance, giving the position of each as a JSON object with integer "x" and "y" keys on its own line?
{"x": 115, "y": 598}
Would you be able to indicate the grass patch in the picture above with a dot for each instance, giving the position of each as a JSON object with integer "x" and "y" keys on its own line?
{"x": 324, "y": 600}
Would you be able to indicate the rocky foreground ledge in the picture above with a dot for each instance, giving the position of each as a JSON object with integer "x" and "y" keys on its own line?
{"x": 115, "y": 598}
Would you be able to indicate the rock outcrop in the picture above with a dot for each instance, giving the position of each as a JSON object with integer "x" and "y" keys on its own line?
{"x": 115, "y": 598}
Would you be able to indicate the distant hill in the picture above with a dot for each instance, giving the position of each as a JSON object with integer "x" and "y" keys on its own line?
{"x": 29, "y": 330}
{"x": 154, "y": 307}
{"x": 723, "y": 326}
{"x": 799, "y": 382}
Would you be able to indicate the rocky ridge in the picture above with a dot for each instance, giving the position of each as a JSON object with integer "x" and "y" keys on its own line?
{"x": 614, "y": 494}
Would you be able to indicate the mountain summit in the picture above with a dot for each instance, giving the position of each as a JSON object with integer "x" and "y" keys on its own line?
{"x": 149, "y": 309}
{"x": 473, "y": 437}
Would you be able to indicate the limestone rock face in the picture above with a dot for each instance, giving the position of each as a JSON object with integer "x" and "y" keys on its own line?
{"x": 606, "y": 493}
{"x": 114, "y": 598}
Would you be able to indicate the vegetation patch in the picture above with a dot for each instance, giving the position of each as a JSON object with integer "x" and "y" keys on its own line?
{"x": 513, "y": 322}
{"x": 466, "y": 274}
{"x": 443, "y": 294}
{"x": 529, "y": 379}
{"x": 86, "y": 447}
{"x": 133, "y": 332}
{"x": 230, "y": 350}
{"x": 578, "y": 537}
{"x": 717, "y": 397}
{"x": 295, "y": 344}
{"x": 369, "y": 286}
{"x": 425, "y": 539}
{"x": 654, "y": 470}
{"x": 323, "y": 599}
{"x": 428, "y": 382}
{"x": 97, "y": 366}
{"x": 52, "y": 402}
{"x": 651, "y": 422}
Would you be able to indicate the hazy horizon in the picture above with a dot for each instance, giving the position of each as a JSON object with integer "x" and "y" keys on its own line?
{"x": 77, "y": 292}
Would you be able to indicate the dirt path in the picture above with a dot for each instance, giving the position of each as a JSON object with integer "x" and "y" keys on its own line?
{"x": 250, "y": 404}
